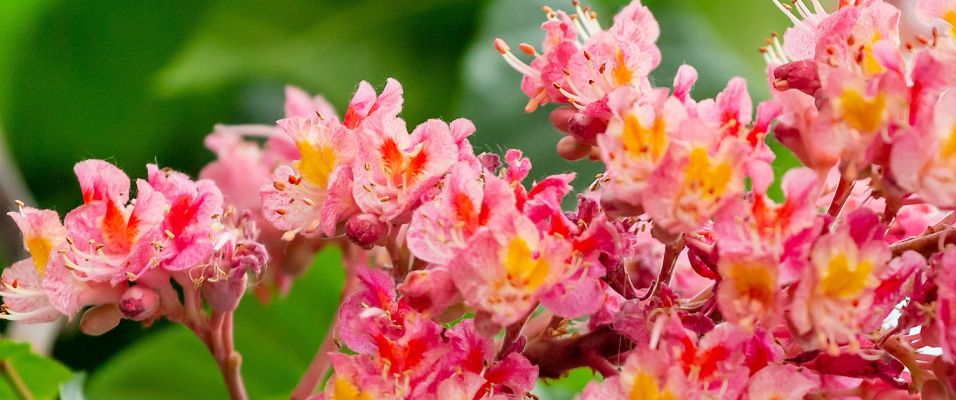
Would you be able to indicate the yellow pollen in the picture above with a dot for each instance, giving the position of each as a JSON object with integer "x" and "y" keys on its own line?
{"x": 704, "y": 175}
{"x": 645, "y": 388}
{"x": 524, "y": 269}
{"x": 345, "y": 390}
{"x": 862, "y": 114}
{"x": 640, "y": 142}
{"x": 845, "y": 280}
{"x": 317, "y": 162}
{"x": 39, "y": 248}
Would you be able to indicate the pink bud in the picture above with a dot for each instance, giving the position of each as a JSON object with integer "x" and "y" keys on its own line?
{"x": 571, "y": 149}
{"x": 223, "y": 295}
{"x": 801, "y": 75}
{"x": 489, "y": 161}
{"x": 250, "y": 257}
{"x": 100, "y": 319}
{"x": 586, "y": 128}
{"x": 139, "y": 303}
{"x": 366, "y": 230}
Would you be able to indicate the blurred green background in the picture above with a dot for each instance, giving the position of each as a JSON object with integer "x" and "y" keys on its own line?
{"x": 137, "y": 82}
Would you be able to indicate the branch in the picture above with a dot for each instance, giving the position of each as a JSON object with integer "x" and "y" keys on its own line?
{"x": 555, "y": 357}
{"x": 926, "y": 244}
{"x": 843, "y": 191}
{"x": 671, "y": 253}
{"x": 319, "y": 367}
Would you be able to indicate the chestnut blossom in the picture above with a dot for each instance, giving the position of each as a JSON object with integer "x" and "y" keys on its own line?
{"x": 680, "y": 272}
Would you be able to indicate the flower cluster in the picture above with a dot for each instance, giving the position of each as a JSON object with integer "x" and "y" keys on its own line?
{"x": 675, "y": 275}
{"x": 121, "y": 255}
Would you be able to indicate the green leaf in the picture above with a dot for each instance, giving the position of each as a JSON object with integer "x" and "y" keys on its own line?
{"x": 330, "y": 46}
{"x": 38, "y": 375}
{"x": 277, "y": 342}
{"x": 567, "y": 387}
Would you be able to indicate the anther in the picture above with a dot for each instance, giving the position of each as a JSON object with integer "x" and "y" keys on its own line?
{"x": 501, "y": 46}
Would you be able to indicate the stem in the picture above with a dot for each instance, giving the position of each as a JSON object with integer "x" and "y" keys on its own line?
{"x": 896, "y": 348}
{"x": 228, "y": 359}
{"x": 16, "y": 380}
{"x": 555, "y": 357}
{"x": 512, "y": 332}
{"x": 926, "y": 244}
{"x": 216, "y": 332}
{"x": 600, "y": 364}
{"x": 671, "y": 253}
{"x": 893, "y": 206}
{"x": 843, "y": 190}
{"x": 318, "y": 368}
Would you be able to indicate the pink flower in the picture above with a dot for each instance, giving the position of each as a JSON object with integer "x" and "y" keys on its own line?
{"x": 194, "y": 208}
{"x": 759, "y": 226}
{"x": 638, "y": 137}
{"x": 42, "y": 233}
{"x": 371, "y": 312}
{"x": 931, "y": 10}
{"x": 109, "y": 238}
{"x": 312, "y": 195}
{"x": 394, "y": 169}
{"x": 505, "y": 270}
{"x": 924, "y": 160}
{"x": 647, "y": 374}
{"x": 24, "y": 297}
{"x": 941, "y": 325}
{"x": 582, "y": 63}
{"x": 783, "y": 382}
{"x": 748, "y": 292}
{"x": 696, "y": 178}
{"x": 367, "y": 105}
{"x": 469, "y": 198}
{"x": 834, "y": 298}
{"x": 298, "y": 103}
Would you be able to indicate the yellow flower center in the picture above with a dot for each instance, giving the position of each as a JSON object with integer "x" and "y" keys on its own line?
{"x": 524, "y": 268}
{"x": 950, "y": 17}
{"x": 753, "y": 282}
{"x": 345, "y": 390}
{"x": 871, "y": 66}
{"x": 622, "y": 75}
{"x": 40, "y": 249}
{"x": 642, "y": 142}
{"x": 317, "y": 163}
{"x": 645, "y": 388}
{"x": 948, "y": 149}
{"x": 845, "y": 279}
{"x": 706, "y": 176}
{"x": 863, "y": 114}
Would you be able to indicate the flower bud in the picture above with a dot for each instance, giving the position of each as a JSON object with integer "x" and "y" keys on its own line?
{"x": 801, "y": 75}
{"x": 585, "y": 128}
{"x": 100, "y": 319}
{"x": 366, "y": 230}
{"x": 490, "y": 161}
{"x": 223, "y": 295}
{"x": 250, "y": 257}
{"x": 139, "y": 303}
